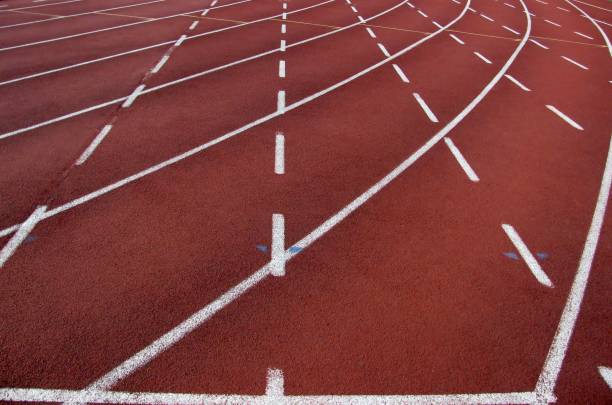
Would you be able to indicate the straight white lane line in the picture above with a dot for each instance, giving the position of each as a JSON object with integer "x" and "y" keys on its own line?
{"x": 606, "y": 374}
{"x": 564, "y": 117}
{"x": 422, "y": 13}
{"x": 277, "y": 261}
{"x": 461, "y": 160}
{"x": 583, "y": 35}
{"x": 432, "y": 117}
{"x": 519, "y": 84}
{"x": 279, "y": 154}
{"x": 482, "y": 57}
{"x": 552, "y": 23}
{"x": 372, "y": 34}
{"x": 133, "y": 96}
{"x": 580, "y": 65}
{"x": 456, "y": 38}
{"x": 558, "y": 349}
{"x": 384, "y": 50}
{"x": 193, "y": 25}
{"x": 515, "y": 32}
{"x": 529, "y": 259}
{"x": 22, "y": 233}
{"x": 280, "y": 102}
{"x": 94, "y": 144}
{"x": 401, "y": 73}
{"x": 281, "y": 69}
{"x": 486, "y": 17}
{"x": 538, "y": 43}
{"x": 180, "y": 40}
{"x": 275, "y": 384}
{"x": 161, "y": 63}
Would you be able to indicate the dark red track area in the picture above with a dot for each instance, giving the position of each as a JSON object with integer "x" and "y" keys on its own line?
{"x": 442, "y": 161}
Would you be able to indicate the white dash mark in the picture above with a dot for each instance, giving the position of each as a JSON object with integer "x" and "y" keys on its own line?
{"x": 193, "y": 25}
{"x": 509, "y": 5}
{"x": 401, "y": 73}
{"x": 284, "y": 16}
{"x": 486, "y": 17}
{"x": 552, "y": 23}
{"x": 384, "y": 50}
{"x": 354, "y": 9}
{"x": 564, "y": 117}
{"x": 279, "y": 154}
{"x": 482, "y": 57}
{"x": 205, "y": 12}
{"x": 538, "y": 43}
{"x": 606, "y": 374}
{"x": 437, "y": 25}
{"x": 284, "y": 6}
{"x": 161, "y": 63}
{"x": 283, "y": 45}
{"x": 275, "y": 386}
{"x": 94, "y": 144}
{"x": 511, "y": 30}
{"x": 372, "y": 34}
{"x": 133, "y": 96}
{"x": 277, "y": 262}
{"x": 180, "y": 40}
{"x": 281, "y": 68}
{"x": 213, "y": 3}
{"x": 540, "y": 1}
{"x": 519, "y": 84}
{"x": 22, "y": 233}
{"x": 422, "y": 13}
{"x": 575, "y": 63}
{"x": 471, "y": 9}
{"x": 280, "y": 102}
{"x": 456, "y": 38}
{"x": 432, "y": 117}
{"x": 361, "y": 19}
{"x": 461, "y": 160}
{"x": 563, "y": 9}
{"x": 455, "y": 1}
{"x": 410, "y": 4}
{"x": 283, "y": 28}
{"x": 583, "y": 35}
{"x": 531, "y": 262}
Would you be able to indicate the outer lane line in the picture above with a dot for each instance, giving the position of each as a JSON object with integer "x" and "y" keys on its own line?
{"x": 594, "y": 22}
{"x": 471, "y": 174}
{"x": 525, "y": 253}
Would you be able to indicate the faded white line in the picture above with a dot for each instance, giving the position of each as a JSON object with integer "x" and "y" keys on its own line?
{"x": 456, "y": 38}
{"x": 432, "y": 117}
{"x": 509, "y": 5}
{"x": 461, "y": 160}
{"x": 486, "y": 17}
{"x": 525, "y": 253}
{"x": 401, "y": 73}
{"x": 552, "y": 23}
{"x": 519, "y": 84}
{"x": 354, "y": 9}
{"x": 564, "y": 117}
{"x": 133, "y": 96}
{"x": 580, "y": 65}
{"x": 515, "y": 32}
{"x": 277, "y": 261}
{"x": 383, "y": 50}
{"x": 538, "y": 43}
{"x": 540, "y": 1}
{"x": 22, "y": 233}
{"x": 280, "y": 101}
{"x": 563, "y": 9}
{"x": 482, "y": 57}
{"x": 193, "y": 25}
{"x": 160, "y": 64}
{"x": 94, "y": 144}
{"x": 583, "y": 35}
{"x": 279, "y": 154}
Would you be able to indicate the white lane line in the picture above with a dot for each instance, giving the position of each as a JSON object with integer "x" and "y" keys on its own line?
{"x": 275, "y": 384}
{"x": 594, "y": 22}
{"x": 436, "y": 24}
{"x": 161, "y": 63}
{"x": 583, "y": 35}
{"x": 279, "y": 154}
{"x": 281, "y": 69}
{"x": 538, "y": 43}
{"x": 422, "y": 13}
{"x": 180, "y": 40}
{"x": 22, "y": 233}
{"x": 284, "y": 16}
{"x": 284, "y": 6}
{"x": 372, "y": 34}
{"x": 213, "y": 3}
{"x": 486, "y": 17}
{"x": 564, "y": 117}
{"x": 94, "y": 144}
{"x": 482, "y": 57}
{"x": 283, "y": 28}
{"x": 42, "y": 5}
{"x": 204, "y": 12}
{"x": 280, "y": 102}
{"x": 556, "y": 354}
{"x": 432, "y": 117}
{"x": 401, "y": 73}
{"x": 525, "y": 253}
{"x": 277, "y": 261}
{"x": 519, "y": 84}
{"x": 606, "y": 374}
{"x": 354, "y": 9}
{"x": 133, "y": 96}
{"x": 471, "y": 9}
{"x": 575, "y": 63}
{"x": 383, "y": 50}
{"x": 193, "y": 25}
{"x": 456, "y": 2}
{"x": 515, "y": 32}
{"x": 461, "y": 160}
{"x": 552, "y": 23}
{"x": 540, "y": 1}
{"x": 509, "y": 5}
{"x": 283, "y": 45}
{"x": 456, "y": 38}
{"x": 361, "y": 18}
{"x": 563, "y": 9}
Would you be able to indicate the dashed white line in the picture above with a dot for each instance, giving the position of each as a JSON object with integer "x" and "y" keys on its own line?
{"x": 384, "y": 50}
{"x": 509, "y": 5}
{"x": 461, "y": 160}
{"x": 401, "y": 73}
{"x": 281, "y": 69}
{"x": 193, "y": 25}
{"x": 422, "y": 13}
{"x": 213, "y": 3}
{"x": 283, "y": 45}
{"x": 277, "y": 262}
{"x": 283, "y": 28}
{"x": 160, "y": 64}
{"x": 580, "y": 65}
{"x": 361, "y": 19}
{"x": 284, "y": 16}
{"x": 457, "y": 2}
{"x": 284, "y": 6}
{"x": 538, "y": 43}
{"x": 432, "y": 117}
{"x": 511, "y": 30}
{"x": 279, "y": 154}
{"x": 519, "y": 84}
{"x": 471, "y": 9}
{"x": 486, "y": 17}
{"x": 583, "y": 35}
{"x": 354, "y": 9}
{"x": 22, "y": 233}
{"x": 275, "y": 385}
{"x": 280, "y": 101}
{"x": 525, "y": 253}
{"x": 437, "y": 25}
{"x": 94, "y": 144}
{"x": 540, "y": 1}
{"x": 563, "y": 9}
{"x": 180, "y": 40}
{"x": 482, "y": 57}
{"x": 204, "y": 12}
{"x": 552, "y": 23}
{"x": 133, "y": 96}
{"x": 410, "y": 4}
{"x": 606, "y": 374}
{"x": 456, "y": 38}
{"x": 564, "y": 117}
{"x": 372, "y": 34}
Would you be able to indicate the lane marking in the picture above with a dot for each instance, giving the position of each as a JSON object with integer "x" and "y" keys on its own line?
{"x": 284, "y": 16}
{"x": 564, "y": 9}
{"x": 456, "y": 2}
{"x": 94, "y": 144}
{"x": 133, "y": 96}
{"x": 354, "y": 9}
{"x": 456, "y": 38}
{"x": 558, "y": 349}
{"x": 281, "y": 69}
{"x": 279, "y": 154}
{"x": 204, "y": 12}
{"x": 180, "y": 40}
{"x": 583, "y": 35}
{"x": 422, "y": 13}
{"x": 525, "y": 253}
{"x": 401, "y": 73}
{"x": 552, "y": 23}
{"x": 575, "y": 63}
{"x": 509, "y": 5}
{"x": 280, "y": 101}
{"x": 277, "y": 262}
{"x": 486, "y": 17}
{"x": 410, "y": 4}
{"x": 283, "y": 45}
{"x": 284, "y": 6}
{"x": 461, "y": 160}
{"x": 22, "y": 233}
{"x": 540, "y": 1}
{"x": 370, "y": 32}
{"x": 432, "y": 117}
{"x": 519, "y": 84}
{"x": 482, "y": 57}
{"x": 383, "y": 50}
{"x": 539, "y": 44}
{"x": 564, "y": 117}
{"x": 275, "y": 385}
{"x": 436, "y": 24}
{"x": 361, "y": 19}
{"x": 41, "y": 5}
{"x": 160, "y": 64}
{"x": 511, "y": 30}
{"x": 471, "y": 9}
{"x": 283, "y": 28}
{"x": 193, "y": 25}
{"x": 606, "y": 374}
{"x": 594, "y": 22}
{"x": 592, "y": 5}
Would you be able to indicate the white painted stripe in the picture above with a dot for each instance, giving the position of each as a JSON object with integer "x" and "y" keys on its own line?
{"x": 519, "y": 84}
{"x": 133, "y": 96}
{"x": 283, "y": 45}
{"x": 564, "y": 117}
{"x": 540, "y": 1}
{"x": 482, "y": 57}
{"x": 455, "y": 1}
{"x": 277, "y": 262}
{"x": 283, "y": 28}
{"x": 281, "y": 68}
{"x": 279, "y": 154}
{"x": 22, "y": 233}
{"x": 558, "y": 349}
{"x": 486, "y": 17}
{"x": 42, "y": 5}
{"x": 538, "y": 43}
{"x": 461, "y": 160}
{"x": 456, "y": 38}
{"x": 180, "y": 40}
{"x": 354, "y": 9}
{"x": 361, "y": 18}
{"x": 471, "y": 9}
{"x": 204, "y": 12}
{"x": 436, "y": 24}
{"x": 284, "y": 16}
{"x": 384, "y": 50}
{"x": 509, "y": 5}
{"x": 606, "y": 374}
{"x": 511, "y": 30}
{"x": 284, "y": 6}
{"x": 432, "y": 117}
{"x": 525, "y": 253}
{"x": 160, "y": 64}
{"x": 213, "y": 3}
{"x": 422, "y": 13}
{"x": 94, "y": 144}
{"x": 401, "y": 73}
{"x": 575, "y": 63}
{"x": 280, "y": 101}
{"x": 563, "y": 9}
{"x": 594, "y": 22}
{"x": 552, "y": 23}
{"x": 275, "y": 386}
{"x": 410, "y": 4}
{"x": 193, "y": 25}
{"x": 583, "y": 35}
{"x": 370, "y": 32}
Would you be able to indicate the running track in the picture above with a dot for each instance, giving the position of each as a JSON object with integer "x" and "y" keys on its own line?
{"x": 305, "y": 201}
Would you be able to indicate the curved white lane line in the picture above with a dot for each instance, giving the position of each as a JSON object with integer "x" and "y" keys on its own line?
{"x": 601, "y": 31}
